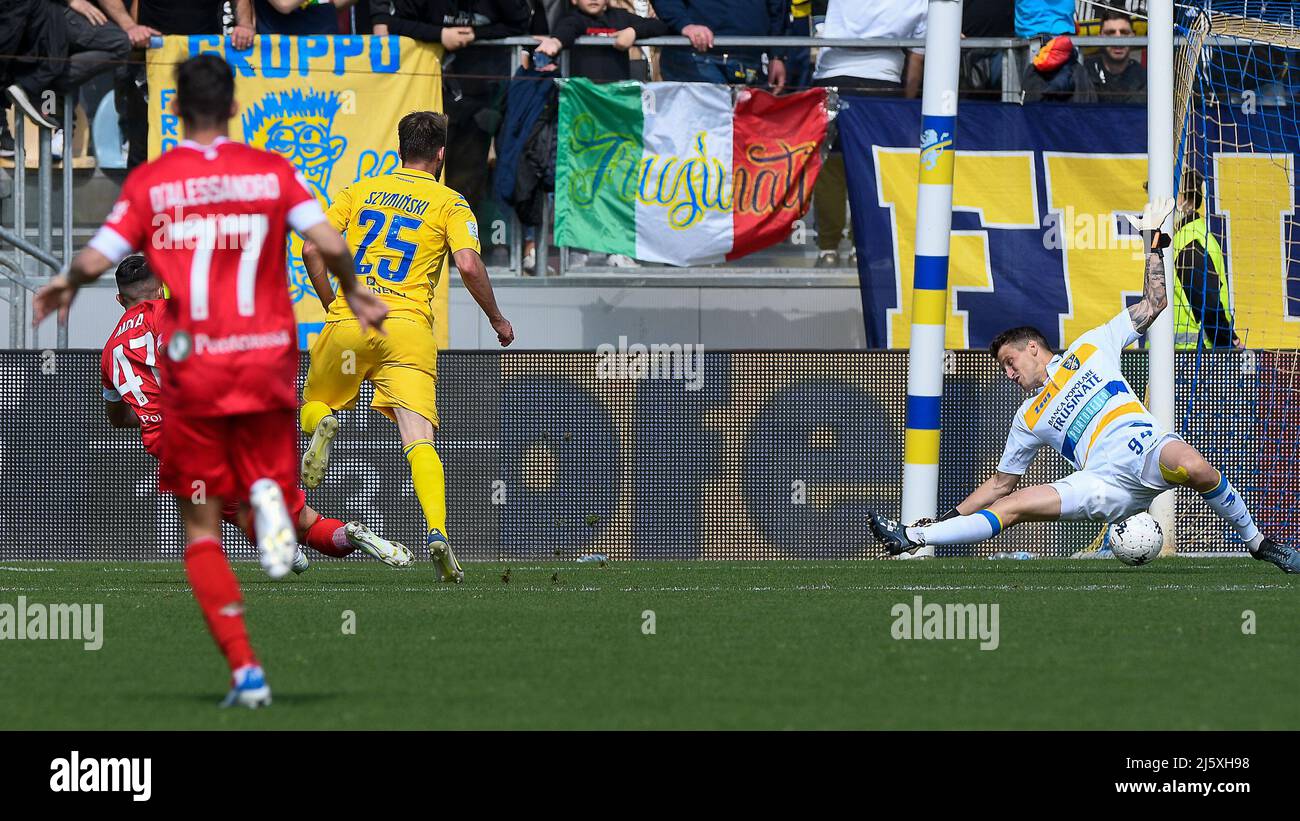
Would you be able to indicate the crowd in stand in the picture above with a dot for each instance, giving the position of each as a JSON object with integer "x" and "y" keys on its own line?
{"x": 57, "y": 45}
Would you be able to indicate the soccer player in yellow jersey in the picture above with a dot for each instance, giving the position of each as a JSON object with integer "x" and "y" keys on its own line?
{"x": 402, "y": 226}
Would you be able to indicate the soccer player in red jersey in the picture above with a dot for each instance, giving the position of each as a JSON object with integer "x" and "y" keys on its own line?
{"x": 212, "y": 216}
{"x": 131, "y": 400}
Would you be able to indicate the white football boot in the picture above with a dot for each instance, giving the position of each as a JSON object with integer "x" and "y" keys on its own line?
{"x": 393, "y": 554}
{"x": 277, "y": 539}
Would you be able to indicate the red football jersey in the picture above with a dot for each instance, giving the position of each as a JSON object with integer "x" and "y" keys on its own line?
{"x": 129, "y": 367}
{"x": 212, "y": 221}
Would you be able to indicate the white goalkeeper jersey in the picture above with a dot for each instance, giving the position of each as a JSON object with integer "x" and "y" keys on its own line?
{"x": 1085, "y": 403}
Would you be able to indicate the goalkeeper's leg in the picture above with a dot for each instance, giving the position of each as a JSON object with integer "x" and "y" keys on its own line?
{"x": 1182, "y": 464}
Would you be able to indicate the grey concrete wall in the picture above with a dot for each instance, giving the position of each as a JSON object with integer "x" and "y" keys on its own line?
{"x": 582, "y": 313}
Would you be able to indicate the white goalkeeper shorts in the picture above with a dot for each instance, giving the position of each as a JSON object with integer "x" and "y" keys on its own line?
{"x": 1122, "y": 477}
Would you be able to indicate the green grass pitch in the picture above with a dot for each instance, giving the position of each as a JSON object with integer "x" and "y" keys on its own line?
{"x": 1083, "y": 644}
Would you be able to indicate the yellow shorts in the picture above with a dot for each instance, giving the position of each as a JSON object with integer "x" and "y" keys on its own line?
{"x": 402, "y": 366}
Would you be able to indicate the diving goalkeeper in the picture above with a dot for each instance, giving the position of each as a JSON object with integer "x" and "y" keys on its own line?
{"x": 1080, "y": 405}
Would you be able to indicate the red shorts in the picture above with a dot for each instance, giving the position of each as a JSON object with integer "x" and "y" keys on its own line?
{"x": 225, "y": 455}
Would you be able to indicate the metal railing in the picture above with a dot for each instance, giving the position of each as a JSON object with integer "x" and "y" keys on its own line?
{"x": 1011, "y": 92}
{"x": 29, "y": 261}
{"x": 27, "y": 256}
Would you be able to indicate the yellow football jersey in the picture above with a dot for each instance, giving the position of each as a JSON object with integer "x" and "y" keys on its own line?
{"x": 401, "y": 226}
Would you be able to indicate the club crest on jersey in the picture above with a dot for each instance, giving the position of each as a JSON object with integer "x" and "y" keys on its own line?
{"x": 1071, "y": 363}
{"x": 179, "y": 347}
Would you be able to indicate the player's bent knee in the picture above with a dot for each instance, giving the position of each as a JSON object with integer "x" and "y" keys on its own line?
{"x": 1174, "y": 475}
{"x": 1194, "y": 472}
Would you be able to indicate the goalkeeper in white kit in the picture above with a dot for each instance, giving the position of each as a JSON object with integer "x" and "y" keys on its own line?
{"x": 1080, "y": 405}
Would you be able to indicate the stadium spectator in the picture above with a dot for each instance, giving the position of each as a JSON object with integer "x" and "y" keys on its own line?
{"x": 1117, "y": 77}
{"x": 603, "y": 64}
{"x": 31, "y": 33}
{"x": 875, "y": 71}
{"x": 799, "y": 62}
{"x": 472, "y": 83}
{"x": 981, "y": 68}
{"x": 136, "y": 32}
{"x": 1053, "y": 72}
{"x": 162, "y": 17}
{"x": 95, "y": 44}
{"x": 595, "y": 18}
{"x": 1201, "y": 296}
{"x": 299, "y": 18}
{"x": 1044, "y": 18}
{"x": 546, "y": 13}
{"x": 702, "y": 20}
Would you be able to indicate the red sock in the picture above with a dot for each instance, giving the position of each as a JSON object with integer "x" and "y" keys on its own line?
{"x": 217, "y": 591}
{"x": 326, "y": 536}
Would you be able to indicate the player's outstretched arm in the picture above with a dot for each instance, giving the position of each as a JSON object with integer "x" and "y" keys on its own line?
{"x": 369, "y": 309}
{"x": 320, "y": 280}
{"x": 1154, "y": 297}
{"x": 475, "y": 276}
{"x": 57, "y": 294}
{"x": 995, "y": 487}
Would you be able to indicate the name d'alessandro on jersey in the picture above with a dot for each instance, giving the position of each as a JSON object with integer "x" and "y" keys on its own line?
{"x": 214, "y": 188}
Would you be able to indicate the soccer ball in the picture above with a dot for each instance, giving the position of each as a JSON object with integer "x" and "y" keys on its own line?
{"x": 1136, "y": 540}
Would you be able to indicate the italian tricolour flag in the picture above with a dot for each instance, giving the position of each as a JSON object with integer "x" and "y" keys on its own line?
{"x": 683, "y": 173}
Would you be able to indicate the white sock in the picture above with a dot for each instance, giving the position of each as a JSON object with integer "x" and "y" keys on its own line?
{"x": 959, "y": 530}
{"x": 1227, "y": 502}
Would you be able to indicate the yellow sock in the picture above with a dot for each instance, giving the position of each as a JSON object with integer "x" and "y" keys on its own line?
{"x": 430, "y": 482}
{"x": 311, "y": 414}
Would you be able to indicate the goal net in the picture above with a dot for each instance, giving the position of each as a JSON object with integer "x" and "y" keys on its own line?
{"x": 1236, "y": 249}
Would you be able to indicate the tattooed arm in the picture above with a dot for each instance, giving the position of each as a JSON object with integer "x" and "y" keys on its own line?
{"x": 1154, "y": 296}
